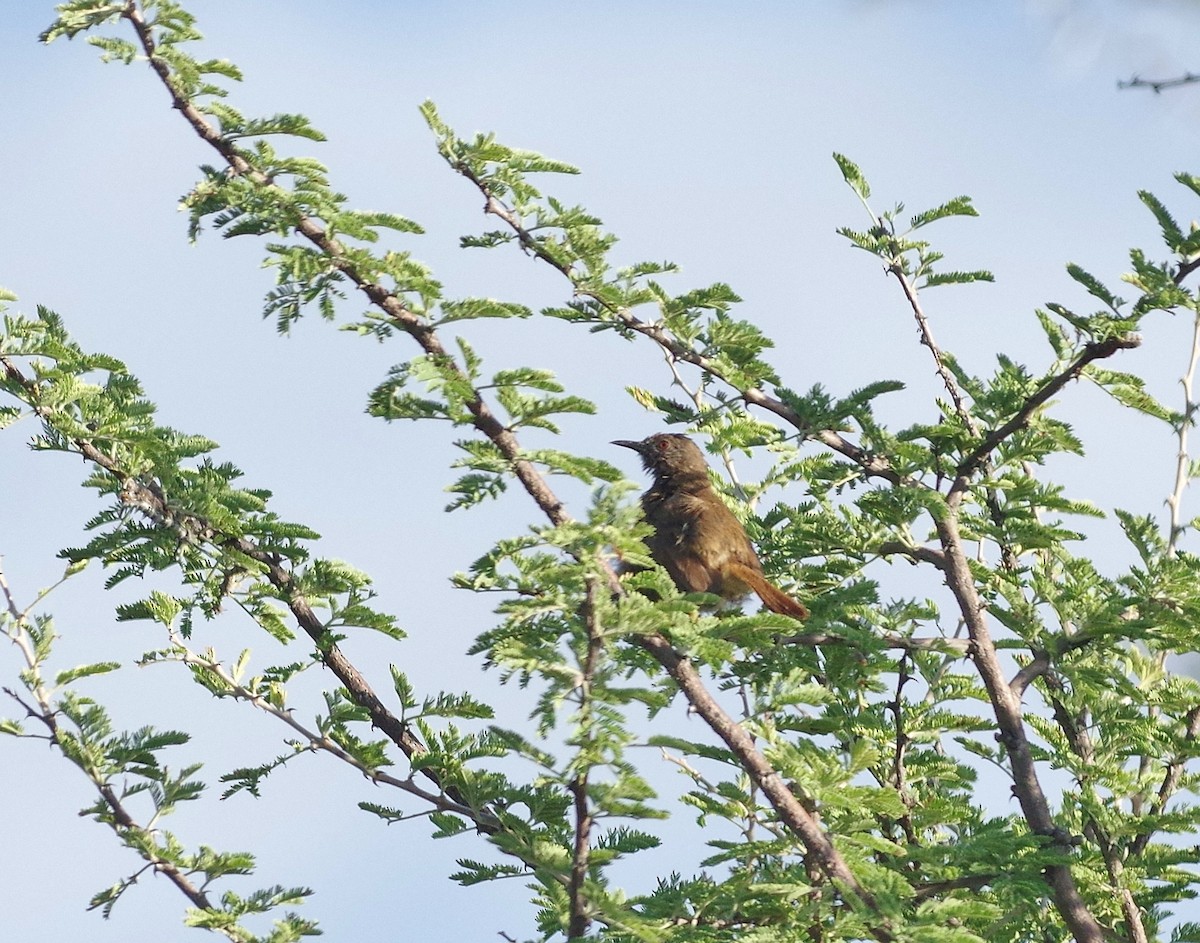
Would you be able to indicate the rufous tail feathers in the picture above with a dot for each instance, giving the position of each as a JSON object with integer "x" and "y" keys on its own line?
{"x": 772, "y": 597}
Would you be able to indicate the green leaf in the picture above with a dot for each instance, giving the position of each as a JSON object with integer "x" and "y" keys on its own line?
{"x": 1172, "y": 234}
{"x": 472, "y": 308}
{"x": 853, "y": 176}
{"x": 85, "y": 671}
{"x": 934, "y": 279}
{"x": 1130, "y": 390}
{"x": 959, "y": 206}
{"x": 1095, "y": 287}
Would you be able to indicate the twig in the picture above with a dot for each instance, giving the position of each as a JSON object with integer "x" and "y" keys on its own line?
{"x": 1182, "y": 458}
{"x": 904, "y": 643}
{"x": 872, "y": 465}
{"x": 44, "y": 712}
{"x": 314, "y": 739}
{"x": 581, "y": 853}
{"x": 1008, "y": 557}
{"x": 1096, "y": 350}
{"x": 1158, "y": 85}
{"x": 948, "y": 380}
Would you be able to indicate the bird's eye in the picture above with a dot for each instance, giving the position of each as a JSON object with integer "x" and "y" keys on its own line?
{"x": 662, "y": 445}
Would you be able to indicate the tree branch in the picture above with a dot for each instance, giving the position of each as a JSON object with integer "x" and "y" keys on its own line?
{"x": 1170, "y": 783}
{"x": 313, "y": 738}
{"x": 948, "y": 380}
{"x": 917, "y": 553}
{"x": 1037, "y": 666}
{"x": 873, "y": 466}
{"x": 1007, "y": 709}
{"x": 1096, "y": 350}
{"x": 1182, "y": 458}
{"x": 903, "y": 643}
{"x": 1158, "y": 85}
{"x": 798, "y": 820}
{"x": 143, "y": 497}
{"x": 46, "y": 714}
{"x": 402, "y": 316}
{"x": 902, "y": 741}
{"x": 148, "y": 499}
{"x": 1075, "y": 728}
{"x": 581, "y": 853}
{"x": 579, "y": 919}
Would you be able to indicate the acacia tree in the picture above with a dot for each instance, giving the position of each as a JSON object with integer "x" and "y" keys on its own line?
{"x": 846, "y": 753}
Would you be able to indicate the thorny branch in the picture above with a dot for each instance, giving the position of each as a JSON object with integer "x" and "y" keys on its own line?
{"x": 423, "y": 333}
{"x": 872, "y": 465}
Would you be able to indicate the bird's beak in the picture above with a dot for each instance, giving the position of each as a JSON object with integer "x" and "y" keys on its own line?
{"x": 626, "y": 443}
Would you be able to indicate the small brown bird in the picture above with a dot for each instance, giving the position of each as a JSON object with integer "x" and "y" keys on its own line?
{"x": 696, "y": 537}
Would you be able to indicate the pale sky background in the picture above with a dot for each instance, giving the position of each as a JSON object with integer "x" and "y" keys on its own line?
{"x": 704, "y": 132}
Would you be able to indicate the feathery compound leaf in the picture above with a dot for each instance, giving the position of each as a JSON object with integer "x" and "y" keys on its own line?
{"x": 1130, "y": 390}
{"x": 1172, "y": 234}
{"x": 853, "y": 176}
{"x": 1094, "y": 286}
{"x": 959, "y": 206}
{"x": 956, "y": 278}
{"x": 79, "y": 16}
{"x": 85, "y": 671}
{"x": 468, "y": 309}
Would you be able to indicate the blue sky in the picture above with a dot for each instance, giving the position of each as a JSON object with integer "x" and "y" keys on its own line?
{"x": 704, "y": 133}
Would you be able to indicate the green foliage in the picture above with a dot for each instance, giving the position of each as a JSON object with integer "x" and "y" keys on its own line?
{"x": 878, "y": 716}
{"x": 127, "y": 773}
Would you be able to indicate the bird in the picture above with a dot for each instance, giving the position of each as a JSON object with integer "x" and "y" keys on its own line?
{"x": 696, "y": 538}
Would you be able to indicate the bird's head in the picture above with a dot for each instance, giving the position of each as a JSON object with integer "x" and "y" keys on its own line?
{"x": 668, "y": 455}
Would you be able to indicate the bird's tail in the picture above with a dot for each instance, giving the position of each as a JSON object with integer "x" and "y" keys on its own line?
{"x": 772, "y": 596}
